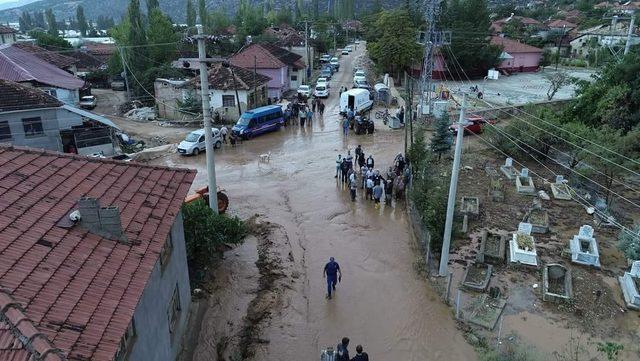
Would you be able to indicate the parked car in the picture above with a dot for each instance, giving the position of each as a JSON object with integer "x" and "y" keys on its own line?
{"x": 361, "y": 84}
{"x": 475, "y": 125}
{"x": 325, "y": 58}
{"x": 335, "y": 63}
{"x": 194, "y": 143}
{"x": 118, "y": 85}
{"x": 88, "y": 102}
{"x": 323, "y": 81}
{"x": 322, "y": 91}
{"x": 326, "y": 73}
{"x": 304, "y": 90}
{"x": 360, "y": 73}
{"x": 345, "y": 52}
{"x": 349, "y": 48}
{"x": 258, "y": 121}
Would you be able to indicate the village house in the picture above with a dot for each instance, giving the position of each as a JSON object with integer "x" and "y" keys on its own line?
{"x": 93, "y": 263}
{"x": 601, "y": 36}
{"x": 529, "y": 23}
{"x": 7, "y": 35}
{"x": 294, "y": 41}
{"x": 284, "y": 68}
{"x": 30, "y": 117}
{"x": 66, "y": 63}
{"x": 517, "y": 56}
{"x": 24, "y": 67}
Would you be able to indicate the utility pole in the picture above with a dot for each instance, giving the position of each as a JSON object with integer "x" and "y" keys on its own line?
{"x": 433, "y": 39}
{"x": 208, "y": 134}
{"x": 410, "y": 102}
{"x": 306, "y": 48}
{"x": 453, "y": 187}
{"x": 627, "y": 46}
{"x": 560, "y": 43}
{"x": 124, "y": 71}
{"x": 255, "y": 85}
{"x": 406, "y": 130}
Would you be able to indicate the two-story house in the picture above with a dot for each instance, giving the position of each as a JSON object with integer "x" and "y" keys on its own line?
{"x": 7, "y": 35}
{"x": 93, "y": 263}
{"x": 30, "y": 117}
{"x": 279, "y": 64}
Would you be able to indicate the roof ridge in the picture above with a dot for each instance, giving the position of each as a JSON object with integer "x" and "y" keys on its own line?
{"x": 25, "y": 331}
{"x": 24, "y": 71}
{"x": 10, "y": 147}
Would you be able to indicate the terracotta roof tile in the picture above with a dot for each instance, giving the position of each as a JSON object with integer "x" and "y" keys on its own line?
{"x": 14, "y": 96}
{"x": 514, "y": 46}
{"x": 265, "y": 56}
{"x": 78, "y": 288}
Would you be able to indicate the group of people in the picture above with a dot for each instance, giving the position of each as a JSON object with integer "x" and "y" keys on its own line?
{"x": 302, "y": 113}
{"x": 342, "y": 352}
{"x": 362, "y": 174}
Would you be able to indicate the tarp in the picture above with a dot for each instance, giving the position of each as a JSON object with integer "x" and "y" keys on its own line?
{"x": 92, "y": 116}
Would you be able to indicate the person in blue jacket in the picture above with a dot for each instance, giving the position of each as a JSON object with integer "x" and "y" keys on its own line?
{"x": 333, "y": 275}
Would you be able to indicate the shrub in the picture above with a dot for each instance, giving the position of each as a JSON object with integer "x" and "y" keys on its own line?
{"x": 629, "y": 243}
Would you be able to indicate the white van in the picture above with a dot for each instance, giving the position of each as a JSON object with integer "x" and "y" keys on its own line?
{"x": 356, "y": 99}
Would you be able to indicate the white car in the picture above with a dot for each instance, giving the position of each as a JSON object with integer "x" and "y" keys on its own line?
{"x": 360, "y": 83}
{"x": 194, "y": 142}
{"x": 360, "y": 74}
{"x": 304, "y": 90}
{"x": 335, "y": 62}
{"x": 323, "y": 81}
{"x": 349, "y": 48}
{"x": 345, "y": 52}
{"x": 88, "y": 102}
{"x": 321, "y": 91}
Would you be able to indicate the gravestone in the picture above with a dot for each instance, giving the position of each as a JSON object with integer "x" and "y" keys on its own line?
{"x": 584, "y": 248}
{"x": 492, "y": 247}
{"x": 524, "y": 183}
{"x": 630, "y": 284}
{"x": 509, "y": 170}
{"x": 556, "y": 283}
{"x": 522, "y": 246}
{"x": 495, "y": 190}
{"x": 560, "y": 189}
{"x": 538, "y": 218}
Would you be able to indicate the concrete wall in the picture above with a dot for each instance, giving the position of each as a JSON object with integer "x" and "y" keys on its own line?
{"x": 71, "y": 97}
{"x": 279, "y": 81}
{"x": 7, "y": 39}
{"x": 50, "y": 139}
{"x": 167, "y": 96}
{"x": 153, "y": 340}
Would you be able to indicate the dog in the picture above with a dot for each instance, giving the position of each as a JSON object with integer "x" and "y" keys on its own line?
{"x": 265, "y": 158}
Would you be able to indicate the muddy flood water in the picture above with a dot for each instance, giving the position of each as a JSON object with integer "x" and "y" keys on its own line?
{"x": 274, "y": 281}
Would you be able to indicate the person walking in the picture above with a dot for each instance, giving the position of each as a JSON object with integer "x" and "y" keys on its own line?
{"x": 359, "y": 151}
{"x": 224, "y": 131}
{"x": 345, "y": 126}
{"x": 310, "y": 117}
{"x": 377, "y": 194}
{"x": 321, "y": 109}
{"x": 353, "y": 185}
{"x": 369, "y": 193}
{"x": 344, "y": 168}
{"x": 349, "y": 159}
{"x": 388, "y": 191}
{"x": 338, "y": 163}
{"x": 313, "y": 104}
{"x": 360, "y": 354}
{"x": 333, "y": 274}
{"x": 342, "y": 351}
{"x": 303, "y": 116}
{"x": 370, "y": 162}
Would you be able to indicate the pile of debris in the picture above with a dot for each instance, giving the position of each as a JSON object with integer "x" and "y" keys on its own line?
{"x": 143, "y": 114}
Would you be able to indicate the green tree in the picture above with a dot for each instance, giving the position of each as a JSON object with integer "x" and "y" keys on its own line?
{"x": 52, "y": 23}
{"x": 49, "y": 41}
{"x": 162, "y": 37}
{"x": 469, "y": 22}
{"x": 82, "y": 21}
{"x": 133, "y": 35}
{"x": 191, "y": 14}
{"x": 202, "y": 12}
{"x": 25, "y": 21}
{"x": 38, "y": 20}
{"x": 629, "y": 242}
{"x": 219, "y": 21}
{"x": 396, "y": 49}
{"x": 152, "y": 4}
{"x": 249, "y": 20}
{"x": 442, "y": 139}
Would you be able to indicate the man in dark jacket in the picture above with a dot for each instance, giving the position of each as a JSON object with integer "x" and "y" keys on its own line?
{"x": 360, "y": 355}
{"x": 341, "y": 350}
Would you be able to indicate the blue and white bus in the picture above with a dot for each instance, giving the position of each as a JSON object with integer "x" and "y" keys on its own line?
{"x": 259, "y": 120}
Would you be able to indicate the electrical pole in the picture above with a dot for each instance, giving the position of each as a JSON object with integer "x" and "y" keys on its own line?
{"x": 124, "y": 71}
{"x": 406, "y": 130}
{"x": 255, "y": 84}
{"x": 627, "y": 46}
{"x": 306, "y": 48}
{"x": 208, "y": 134}
{"x": 433, "y": 38}
{"x": 453, "y": 187}
{"x": 559, "y": 43}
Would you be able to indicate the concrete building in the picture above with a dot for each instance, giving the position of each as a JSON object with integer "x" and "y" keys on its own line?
{"x": 111, "y": 284}
{"x": 23, "y": 67}
{"x": 29, "y": 117}
{"x": 279, "y": 64}
{"x": 172, "y": 95}
{"x": 294, "y": 41}
{"x": 601, "y": 36}
{"x": 7, "y": 35}
{"x": 517, "y": 56}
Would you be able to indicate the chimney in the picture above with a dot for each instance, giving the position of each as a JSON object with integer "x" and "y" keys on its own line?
{"x": 104, "y": 221}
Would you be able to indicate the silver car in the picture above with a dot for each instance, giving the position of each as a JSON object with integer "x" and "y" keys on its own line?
{"x": 194, "y": 143}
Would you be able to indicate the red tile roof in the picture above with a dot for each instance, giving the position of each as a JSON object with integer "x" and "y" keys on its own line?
{"x": 7, "y": 30}
{"x": 513, "y": 46}
{"x": 14, "y": 96}
{"x": 21, "y": 66}
{"x": 59, "y": 60}
{"x": 220, "y": 78}
{"x": 559, "y": 24}
{"x": 266, "y": 56}
{"x": 77, "y": 288}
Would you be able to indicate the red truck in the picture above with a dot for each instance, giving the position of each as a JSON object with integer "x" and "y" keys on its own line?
{"x": 475, "y": 125}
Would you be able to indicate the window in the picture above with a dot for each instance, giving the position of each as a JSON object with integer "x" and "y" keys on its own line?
{"x": 5, "y": 131}
{"x": 165, "y": 252}
{"x": 294, "y": 77}
{"x": 52, "y": 92}
{"x": 126, "y": 341}
{"x": 228, "y": 101}
{"x": 32, "y": 127}
{"x": 173, "y": 312}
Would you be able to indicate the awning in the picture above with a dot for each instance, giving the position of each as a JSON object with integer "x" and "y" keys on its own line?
{"x": 505, "y": 56}
{"x": 92, "y": 116}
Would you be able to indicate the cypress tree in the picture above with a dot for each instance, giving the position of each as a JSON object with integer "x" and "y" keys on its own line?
{"x": 442, "y": 139}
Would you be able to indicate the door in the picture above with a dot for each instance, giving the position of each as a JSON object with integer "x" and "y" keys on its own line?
{"x": 202, "y": 145}
{"x": 352, "y": 102}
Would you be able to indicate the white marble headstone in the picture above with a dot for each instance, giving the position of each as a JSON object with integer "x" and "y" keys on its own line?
{"x": 635, "y": 269}
{"x": 508, "y": 162}
{"x": 524, "y": 172}
{"x": 559, "y": 179}
{"x": 525, "y": 228}
{"x": 586, "y": 231}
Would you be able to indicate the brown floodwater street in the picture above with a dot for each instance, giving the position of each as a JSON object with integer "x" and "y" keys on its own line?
{"x": 307, "y": 217}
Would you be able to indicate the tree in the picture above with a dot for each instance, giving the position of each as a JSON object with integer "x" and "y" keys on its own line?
{"x": 470, "y": 43}
{"x": 152, "y": 4}
{"x": 38, "y": 20}
{"x": 25, "y": 21}
{"x": 51, "y": 22}
{"x": 49, "y": 41}
{"x": 202, "y": 12}
{"x": 82, "y": 21}
{"x": 396, "y": 49}
{"x": 442, "y": 138}
{"x": 629, "y": 242}
{"x": 135, "y": 37}
{"x": 249, "y": 20}
{"x": 219, "y": 21}
{"x": 161, "y": 31}
{"x": 104, "y": 23}
{"x": 556, "y": 81}
{"x": 191, "y": 14}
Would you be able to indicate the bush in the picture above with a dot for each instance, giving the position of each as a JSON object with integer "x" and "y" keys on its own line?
{"x": 629, "y": 243}
{"x": 205, "y": 233}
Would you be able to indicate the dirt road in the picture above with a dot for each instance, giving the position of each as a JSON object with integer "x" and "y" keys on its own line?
{"x": 381, "y": 303}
